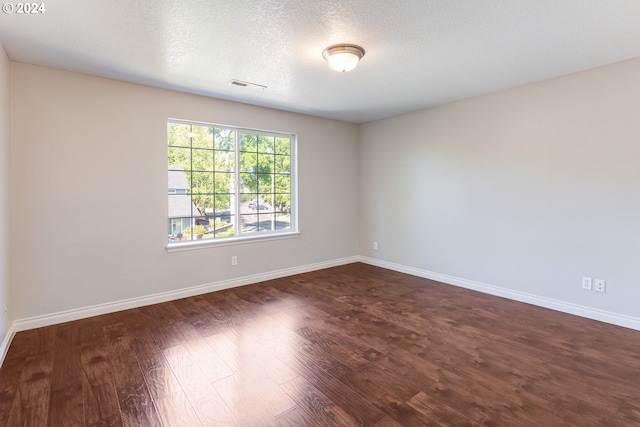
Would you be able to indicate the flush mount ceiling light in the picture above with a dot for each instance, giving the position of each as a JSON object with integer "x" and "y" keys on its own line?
{"x": 343, "y": 57}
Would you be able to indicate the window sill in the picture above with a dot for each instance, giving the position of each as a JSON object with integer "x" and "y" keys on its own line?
{"x": 204, "y": 244}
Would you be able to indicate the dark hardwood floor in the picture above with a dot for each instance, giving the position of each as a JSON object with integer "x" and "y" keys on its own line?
{"x": 351, "y": 345}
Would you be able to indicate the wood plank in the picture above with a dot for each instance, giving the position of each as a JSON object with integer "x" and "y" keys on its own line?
{"x": 436, "y": 412}
{"x": 67, "y": 406}
{"x": 10, "y": 373}
{"x": 319, "y": 409}
{"x": 31, "y": 402}
{"x": 388, "y": 421}
{"x": 630, "y": 411}
{"x": 209, "y": 407}
{"x": 253, "y": 399}
{"x": 238, "y": 351}
{"x": 157, "y": 373}
{"x": 136, "y": 405}
{"x": 209, "y": 362}
{"x": 175, "y": 410}
{"x": 313, "y": 365}
{"x": 99, "y": 394}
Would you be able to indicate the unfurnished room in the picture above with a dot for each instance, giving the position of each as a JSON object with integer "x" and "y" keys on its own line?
{"x": 320, "y": 213}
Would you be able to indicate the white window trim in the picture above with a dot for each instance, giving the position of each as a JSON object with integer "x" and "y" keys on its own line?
{"x": 293, "y": 232}
{"x": 230, "y": 241}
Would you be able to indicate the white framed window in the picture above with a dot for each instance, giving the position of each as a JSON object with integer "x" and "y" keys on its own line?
{"x": 227, "y": 184}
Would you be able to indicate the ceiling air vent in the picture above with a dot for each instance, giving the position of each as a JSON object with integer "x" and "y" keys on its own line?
{"x": 247, "y": 84}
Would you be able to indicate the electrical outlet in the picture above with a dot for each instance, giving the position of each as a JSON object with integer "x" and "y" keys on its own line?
{"x": 587, "y": 283}
{"x": 601, "y": 285}
{"x": 234, "y": 260}
{"x": 375, "y": 245}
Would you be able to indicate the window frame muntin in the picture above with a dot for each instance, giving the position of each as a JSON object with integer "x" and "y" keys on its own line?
{"x": 239, "y": 237}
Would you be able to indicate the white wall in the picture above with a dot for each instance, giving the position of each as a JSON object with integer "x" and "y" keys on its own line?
{"x": 527, "y": 190}
{"x": 90, "y": 155}
{"x": 5, "y": 197}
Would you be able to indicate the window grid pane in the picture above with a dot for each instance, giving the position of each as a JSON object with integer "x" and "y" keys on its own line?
{"x": 202, "y": 180}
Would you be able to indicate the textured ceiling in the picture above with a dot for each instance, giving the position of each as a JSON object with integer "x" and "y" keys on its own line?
{"x": 419, "y": 53}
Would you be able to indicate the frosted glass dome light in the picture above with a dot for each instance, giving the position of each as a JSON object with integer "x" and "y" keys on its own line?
{"x": 343, "y": 57}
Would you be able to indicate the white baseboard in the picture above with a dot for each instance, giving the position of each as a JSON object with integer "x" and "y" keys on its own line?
{"x": 6, "y": 342}
{"x": 565, "y": 307}
{"x": 96, "y": 310}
